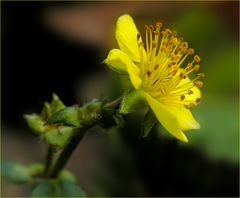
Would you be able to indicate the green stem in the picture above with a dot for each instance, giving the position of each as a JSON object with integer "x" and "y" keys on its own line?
{"x": 48, "y": 162}
{"x": 67, "y": 152}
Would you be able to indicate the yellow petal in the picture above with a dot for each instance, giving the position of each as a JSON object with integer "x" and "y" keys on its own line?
{"x": 118, "y": 60}
{"x": 184, "y": 117}
{"x": 166, "y": 118}
{"x": 126, "y": 35}
{"x": 196, "y": 91}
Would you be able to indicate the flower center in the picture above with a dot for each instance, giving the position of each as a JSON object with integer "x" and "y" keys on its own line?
{"x": 161, "y": 58}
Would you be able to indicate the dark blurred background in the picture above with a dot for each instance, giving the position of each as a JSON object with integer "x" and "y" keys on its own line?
{"x": 59, "y": 47}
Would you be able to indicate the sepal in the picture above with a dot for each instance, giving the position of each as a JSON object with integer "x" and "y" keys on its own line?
{"x": 132, "y": 101}
{"x": 148, "y": 123}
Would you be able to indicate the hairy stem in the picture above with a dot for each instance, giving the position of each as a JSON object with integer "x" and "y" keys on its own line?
{"x": 67, "y": 152}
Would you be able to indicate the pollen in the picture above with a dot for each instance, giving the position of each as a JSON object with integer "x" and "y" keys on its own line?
{"x": 164, "y": 70}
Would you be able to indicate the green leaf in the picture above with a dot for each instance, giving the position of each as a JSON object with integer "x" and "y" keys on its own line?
{"x": 149, "y": 121}
{"x": 46, "y": 188}
{"x": 46, "y": 111}
{"x": 67, "y": 175}
{"x": 35, "y": 123}
{"x": 59, "y": 136}
{"x": 131, "y": 101}
{"x": 119, "y": 120}
{"x": 57, "y": 188}
{"x": 67, "y": 116}
{"x": 36, "y": 169}
{"x": 15, "y": 173}
{"x": 70, "y": 189}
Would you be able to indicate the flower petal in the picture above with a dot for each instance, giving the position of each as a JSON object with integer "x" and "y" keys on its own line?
{"x": 196, "y": 91}
{"x": 166, "y": 118}
{"x": 126, "y": 35}
{"x": 184, "y": 117}
{"x": 118, "y": 60}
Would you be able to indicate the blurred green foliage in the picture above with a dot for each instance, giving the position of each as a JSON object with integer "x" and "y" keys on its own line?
{"x": 15, "y": 173}
{"x": 218, "y": 112}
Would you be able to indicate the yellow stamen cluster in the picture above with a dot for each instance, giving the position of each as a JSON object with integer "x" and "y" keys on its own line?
{"x": 160, "y": 69}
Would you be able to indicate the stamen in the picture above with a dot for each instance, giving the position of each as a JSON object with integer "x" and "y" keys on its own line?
{"x": 201, "y": 75}
{"x": 158, "y": 25}
{"x": 168, "y": 31}
{"x": 197, "y": 58}
{"x": 189, "y": 67}
{"x": 197, "y": 67}
{"x": 160, "y": 72}
{"x": 191, "y": 51}
{"x": 198, "y": 84}
{"x": 151, "y": 28}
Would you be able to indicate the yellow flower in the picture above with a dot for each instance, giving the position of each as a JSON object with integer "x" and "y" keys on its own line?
{"x": 154, "y": 71}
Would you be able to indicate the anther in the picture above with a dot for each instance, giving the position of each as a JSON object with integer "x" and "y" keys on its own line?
{"x": 138, "y": 36}
{"x": 197, "y": 67}
{"x": 201, "y": 75}
{"x": 191, "y": 105}
{"x": 168, "y": 31}
{"x": 184, "y": 44}
{"x": 191, "y": 51}
{"x": 198, "y": 83}
{"x": 197, "y": 58}
{"x": 198, "y": 100}
{"x": 190, "y": 92}
{"x": 182, "y": 97}
{"x": 158, "y": 25}
{"x": 164, "y": 33}
{"x": 151, "y": 27}
{"x": 174, "y": 72}
{"x": 189, "y": 66}
{"x": 146, "y": 27}
{"x": 156, "y": 66}
{"x": 148, "y": 73}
